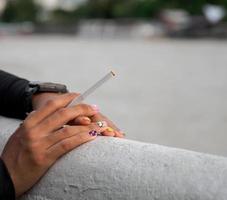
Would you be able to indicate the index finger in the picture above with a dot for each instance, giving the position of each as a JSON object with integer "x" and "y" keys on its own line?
{"x": 50, "y": 107}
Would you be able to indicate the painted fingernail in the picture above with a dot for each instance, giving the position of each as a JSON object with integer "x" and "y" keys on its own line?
{"x": 121, "y": 132}
{"x": 95, "y": 107}
{"x": 93, "y": 133}
{"x": 101, "y": 124}
{"x": 109, "y": 129}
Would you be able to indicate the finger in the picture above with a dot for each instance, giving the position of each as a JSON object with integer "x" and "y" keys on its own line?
{"x": 101, "y": 117}
{"x": 119, "y": 134}
{"x": 69, "y": 144}
{"x": 68, "y": 131}
{"x": 109, "y": 132}
{"x": 50, "y": 107}
{"x": 112, "y": 133}
{"x": 81, "y": 120}
{"x": 117, "y": 131}
{"x": 64, "y": 115}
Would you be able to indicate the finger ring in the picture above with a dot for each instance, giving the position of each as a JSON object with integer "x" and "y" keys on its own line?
{"x": 101, "y": 124}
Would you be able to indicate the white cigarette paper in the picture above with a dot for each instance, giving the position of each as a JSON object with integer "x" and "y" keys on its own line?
{"x": 88, "y": 92}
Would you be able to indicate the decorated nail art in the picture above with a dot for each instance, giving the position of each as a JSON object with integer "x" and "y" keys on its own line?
{"x": 109, "y": 129}
{"x": 101, "y": 124}
{"x": 93, "y": 133}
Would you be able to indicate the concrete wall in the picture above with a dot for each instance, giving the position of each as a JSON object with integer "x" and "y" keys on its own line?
{"x": 111, "y": 168}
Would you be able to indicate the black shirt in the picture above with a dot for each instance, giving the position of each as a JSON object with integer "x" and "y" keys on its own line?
{"x": 14, "y": 102}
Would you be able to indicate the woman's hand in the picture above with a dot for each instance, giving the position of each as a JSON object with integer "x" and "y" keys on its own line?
{"x": 43, "y": 138}
{"x": 40, "y": 99}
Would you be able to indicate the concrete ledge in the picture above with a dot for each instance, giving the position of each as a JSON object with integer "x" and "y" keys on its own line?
{"x": 111, "y": 168}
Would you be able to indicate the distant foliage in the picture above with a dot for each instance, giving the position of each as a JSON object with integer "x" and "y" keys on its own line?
{"x": 139, "y": 8}
{"x": 20, "y": 11}
{"x": 60, "y": 16}
{"x": 27, "y": 10}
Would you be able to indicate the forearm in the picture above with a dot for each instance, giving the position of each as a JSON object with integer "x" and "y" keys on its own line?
{"x": 13, "y": 100}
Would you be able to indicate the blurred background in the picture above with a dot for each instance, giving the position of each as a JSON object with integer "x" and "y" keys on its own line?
{"x": 170, "y": 58}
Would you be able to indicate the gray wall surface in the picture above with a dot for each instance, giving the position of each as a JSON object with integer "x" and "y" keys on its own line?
{"x": 111, "y": 168}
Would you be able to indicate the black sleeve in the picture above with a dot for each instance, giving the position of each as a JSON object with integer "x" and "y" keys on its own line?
{"x": 14, "y": 100}
{"x": 7, "y": 191}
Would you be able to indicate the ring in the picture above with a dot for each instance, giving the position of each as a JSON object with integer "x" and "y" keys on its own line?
{"x": 101, "y": 124}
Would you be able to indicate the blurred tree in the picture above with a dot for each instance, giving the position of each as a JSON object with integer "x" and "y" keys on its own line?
{"x": 20, "y": 11}
{"x": 9, "y": 14}
{"x": 139, "y": 8}
{"x": 27, "y": 10}
{"x": 61, "y": 16}
{"x": 194, "y": 7}
{"x": 96, "y": 9}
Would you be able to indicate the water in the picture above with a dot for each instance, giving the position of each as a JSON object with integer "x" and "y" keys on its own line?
{"x": 167, "y": 92}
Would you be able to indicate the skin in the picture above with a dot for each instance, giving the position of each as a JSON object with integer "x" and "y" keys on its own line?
{"x": 44, "y": 137}
{"x": 40, "y": 99}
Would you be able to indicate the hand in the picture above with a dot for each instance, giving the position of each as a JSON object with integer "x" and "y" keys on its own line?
{"x": 43, "y": 138}
{"x": 116, "y": 132}
{"x": 40, "y": 99}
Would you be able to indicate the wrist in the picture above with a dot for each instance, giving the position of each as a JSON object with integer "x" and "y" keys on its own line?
{"x": 40, "y": 99}
{"x": 40, "y": 92}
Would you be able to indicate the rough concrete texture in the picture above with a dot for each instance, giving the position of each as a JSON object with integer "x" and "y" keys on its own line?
{"x": 111, "y": 168}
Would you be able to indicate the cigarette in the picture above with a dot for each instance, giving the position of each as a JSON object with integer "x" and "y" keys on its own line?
{"x": 88, "y": 92}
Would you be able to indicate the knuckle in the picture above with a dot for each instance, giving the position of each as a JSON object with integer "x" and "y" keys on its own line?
{"x": 66, "y": 130}
{"x": 82, "y": 108}
{"x": 38, "y": 159}
{"x": 52, "y": 103}
{"x": 66, "y": 145}
{"x": 30, "y": 134}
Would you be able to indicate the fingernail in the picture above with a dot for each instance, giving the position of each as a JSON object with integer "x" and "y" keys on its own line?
{"x": 95, "y": 107}
{"x": 93, "y": 133}
{"x": 109, "y": 129}
{"x": 101, "y": 124}
{"x": 87, "y": 119}
{"x": 121, "y": 132}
